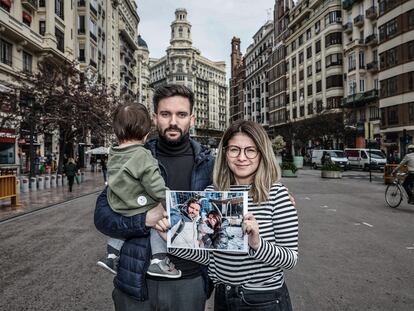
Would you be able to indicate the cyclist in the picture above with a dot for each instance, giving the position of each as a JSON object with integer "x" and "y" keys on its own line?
{"x": 408, "y": 160}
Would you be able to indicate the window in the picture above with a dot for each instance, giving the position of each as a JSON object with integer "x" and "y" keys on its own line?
{"x": 7, "y": 153}
{"x": 309, "y": 52}
{"x": 334, "y": 81}
{"x": 317, "y": 47}
{"x": 374, "y": 113}
{"x": 81, "y": 24}
{"x": 392, "y": 115}
{"x": 293, "y": 46}
{"x": 59, "y": 8}
{"x": 6, "y": 52}
{"x": 318, "y": 86}
{"x": 310, "y": 89}
{"x": 301, "y": 58}
{"x": 333, "y": 18}
{"x": 351, "y": 62}
{"x": 333, "y": 38}
{"x": 362, "y": 85}
{"x": 318, "y": 65}
{"x": 302, "y": 111}
{"x": 319, "y": 106}
{"x": 82, "y": 56}
{"x": 60, "y": 39}
{"x": 333, "y": 102}
{"x": 310, "y": 108}
{"x": 317, "y": 26}
{"x": 294, "y": 113}
{"x": 5, "y": 5}
{"x": 300, "y": 40}
{"x": 308, "y": 34}
{"x": 301, "y": 75}
{"x": 27, "y": 62}
{"x": 333, "y": 60}
{"x": 361, "y": 59}
{"x": 309, "y": 71}
{"x": 42, "y": 27}
{"x": 351, "y": 87}
{"x": 411, "y": 111}
{"x": 294, "y": 62}
{"x": 294, "y": 96}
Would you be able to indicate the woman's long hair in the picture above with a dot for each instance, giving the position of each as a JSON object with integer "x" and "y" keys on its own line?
{"x": 268, "y": 171}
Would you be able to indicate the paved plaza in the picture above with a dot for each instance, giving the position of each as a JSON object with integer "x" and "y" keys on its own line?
{"x": 354, "y": 252}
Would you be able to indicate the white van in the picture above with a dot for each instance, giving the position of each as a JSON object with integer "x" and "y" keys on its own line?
{"x": 360, "y": 158}
{"x": 337, "y": 156}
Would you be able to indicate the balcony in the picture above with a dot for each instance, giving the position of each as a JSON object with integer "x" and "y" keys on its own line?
{"x": 93, "y": 37}
{"x": 81, "y": 31}
{"x": 347, "y": 4}
{"x": 93, "y": 10}
{"x": 30, "y": 4}
{"x": 372, "y": 66}
{"x": 348, "y": 28}
{"x": 359, "y": 99}
{"x": 371, "y": 13}
{"x": 371, "y": 39}
{"x": 93, "y": 63}
{"x": 359, "y": 20}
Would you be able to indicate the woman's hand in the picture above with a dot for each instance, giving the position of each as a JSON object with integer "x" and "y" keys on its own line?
{"x": 251, "y": 228}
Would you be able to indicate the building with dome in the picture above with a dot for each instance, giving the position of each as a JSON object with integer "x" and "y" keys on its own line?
{"x": 184, "y": 64}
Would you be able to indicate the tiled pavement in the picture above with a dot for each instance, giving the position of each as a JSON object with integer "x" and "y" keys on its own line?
{"x": 32, "y": 201}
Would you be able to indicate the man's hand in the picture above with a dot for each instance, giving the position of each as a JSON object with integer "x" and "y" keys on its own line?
{"x": 154, "y": 215}
{"x": 163, "y": 224}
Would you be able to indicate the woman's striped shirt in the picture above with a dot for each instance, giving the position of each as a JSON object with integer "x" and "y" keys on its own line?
{"x": 261, "y": 269}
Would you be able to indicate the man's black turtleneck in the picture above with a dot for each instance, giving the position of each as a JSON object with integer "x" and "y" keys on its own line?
{"x": 178, "y": 160}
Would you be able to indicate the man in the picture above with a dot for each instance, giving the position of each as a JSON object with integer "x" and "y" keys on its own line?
{"x": 218, "y": 238}
{"x": 185, "y": 165}
{"x": 185, "y": 233}
{"x": 408, "y": 160}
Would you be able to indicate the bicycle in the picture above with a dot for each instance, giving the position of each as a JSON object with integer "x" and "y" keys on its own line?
{"x": 395, "y": 192}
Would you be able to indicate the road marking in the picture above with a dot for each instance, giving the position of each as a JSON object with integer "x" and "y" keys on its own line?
{"x": 324, "y": 206}
{"x": 307, "y": 198}
{"x": 357, "y": 224}
{"x": 367, "y": 224}
{"x": 331, "y": 209}
{"x": 410, "y": 247}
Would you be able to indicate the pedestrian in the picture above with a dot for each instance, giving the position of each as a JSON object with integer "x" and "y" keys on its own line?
{"x": 135, "y": 185}
{"x": 254, "y": 280}
{"x": 70, "y": 171}
{"x": 104, "y": 169}
{"x": 185, "y": 166}
{"x": 93, "y": 163}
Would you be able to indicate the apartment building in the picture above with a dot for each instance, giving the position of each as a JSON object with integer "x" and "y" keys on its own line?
{"x": 360, "y": 55}
{"x": 256, "y": 104}
{"x": 396, "y": 55}
{"x": 144, "y": 92}
{"x": 184, "y": 64}
{"x": 100, "y": 35}
{"x": 314, "y": 61}
{"x": 277, "y": 69}
{"x": 238, "y": 75}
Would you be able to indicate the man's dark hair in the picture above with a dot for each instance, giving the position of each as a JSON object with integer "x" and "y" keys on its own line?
{"x": 131, "y": 122}
{"x": 193, "y": 200}
{"x": 173, "y": 90}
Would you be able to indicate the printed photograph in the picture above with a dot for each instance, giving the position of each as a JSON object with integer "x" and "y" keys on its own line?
{"x": 207, "y": 220}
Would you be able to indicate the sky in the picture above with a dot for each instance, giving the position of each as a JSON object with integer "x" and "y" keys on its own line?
{"x": 214, "y": 23}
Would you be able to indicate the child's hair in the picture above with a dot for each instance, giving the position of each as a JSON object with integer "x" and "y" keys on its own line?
{"x": 131, "y": 122}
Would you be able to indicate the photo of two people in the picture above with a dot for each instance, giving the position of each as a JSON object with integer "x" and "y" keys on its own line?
{"x": 207, "y": 220}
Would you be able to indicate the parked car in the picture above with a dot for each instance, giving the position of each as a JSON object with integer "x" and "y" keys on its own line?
{"x": 362, "y": 157}
{"x": 336, "y": 156}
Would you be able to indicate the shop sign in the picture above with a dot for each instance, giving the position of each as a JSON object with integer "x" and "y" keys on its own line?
{"x": 7, "y": 136}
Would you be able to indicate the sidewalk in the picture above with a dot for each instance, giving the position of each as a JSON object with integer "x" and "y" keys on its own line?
{"x": 32, "y": 201}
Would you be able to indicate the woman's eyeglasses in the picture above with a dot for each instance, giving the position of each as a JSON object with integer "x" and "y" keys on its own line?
{"x": 234, "y": 152}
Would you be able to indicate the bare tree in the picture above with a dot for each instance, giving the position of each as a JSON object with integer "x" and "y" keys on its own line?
{"x": 58, "y": 97}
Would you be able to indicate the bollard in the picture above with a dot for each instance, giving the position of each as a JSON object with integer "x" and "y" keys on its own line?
{"x": 47, "y": 182}
{"x": 53, "y": 181}
{"x": 40, "y": 183}
{"x": 59, "y": 180}
{"x": 33, "y": 184}
{"x": 18, "y": 182}
{"x": 83, "y": 177}
{"x": 25, "y": 185}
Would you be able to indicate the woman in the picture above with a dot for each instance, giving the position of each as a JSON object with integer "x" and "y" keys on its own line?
{"x": 253, "y": 280}
{"x": 70, "y": 171}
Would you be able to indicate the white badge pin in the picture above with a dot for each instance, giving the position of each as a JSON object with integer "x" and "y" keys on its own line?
{"x": 141, "y": 200}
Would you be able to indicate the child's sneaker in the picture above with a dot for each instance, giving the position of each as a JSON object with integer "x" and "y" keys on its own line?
{"x": 163, "y": 268}
{"x": 109, "y": 263}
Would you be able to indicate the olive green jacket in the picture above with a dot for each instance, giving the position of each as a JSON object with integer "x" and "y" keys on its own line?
{"x": 135, "y": 184}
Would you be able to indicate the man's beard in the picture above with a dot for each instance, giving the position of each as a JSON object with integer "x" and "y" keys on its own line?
{"x": 183, "y": 136}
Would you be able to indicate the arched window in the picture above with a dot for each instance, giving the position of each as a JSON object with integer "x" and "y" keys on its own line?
{"x": 180, "y": 32}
